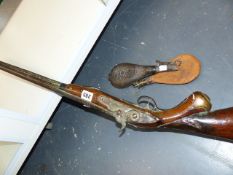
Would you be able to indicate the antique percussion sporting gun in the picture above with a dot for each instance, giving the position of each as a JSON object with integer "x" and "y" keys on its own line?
{"x": 190, "y": 115}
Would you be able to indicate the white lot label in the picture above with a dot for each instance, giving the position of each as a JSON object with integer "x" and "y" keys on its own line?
{"x": 163, "y": 68}
{"x": 86, "y": 95}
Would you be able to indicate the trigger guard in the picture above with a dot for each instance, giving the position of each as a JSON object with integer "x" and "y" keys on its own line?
{"x": 147, "y": 102}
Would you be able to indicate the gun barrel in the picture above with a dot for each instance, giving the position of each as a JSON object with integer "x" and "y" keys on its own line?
{"x": 31, "y": 76}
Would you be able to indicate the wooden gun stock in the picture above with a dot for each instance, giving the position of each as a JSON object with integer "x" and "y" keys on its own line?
{"x": 218, "y": 123}
{"x": 192, "y": 114}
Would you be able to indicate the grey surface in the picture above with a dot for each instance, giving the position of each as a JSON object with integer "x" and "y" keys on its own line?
{"x": 7, "y": 8}
{"x": 141, "y": 31}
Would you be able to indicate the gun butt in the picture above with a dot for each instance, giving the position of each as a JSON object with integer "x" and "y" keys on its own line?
{"x": 218, "y": 124}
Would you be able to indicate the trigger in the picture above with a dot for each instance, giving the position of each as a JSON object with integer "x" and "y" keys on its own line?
{"x": 147, "y": 102}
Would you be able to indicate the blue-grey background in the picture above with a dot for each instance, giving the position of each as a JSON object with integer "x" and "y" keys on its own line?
{"x": 142, "y": 31}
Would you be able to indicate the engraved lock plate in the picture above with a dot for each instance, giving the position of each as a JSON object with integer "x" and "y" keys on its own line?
{"x": 124, "y": 113}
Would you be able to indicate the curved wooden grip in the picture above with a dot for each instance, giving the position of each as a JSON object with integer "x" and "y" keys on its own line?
{"x": 218, "y": 123}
